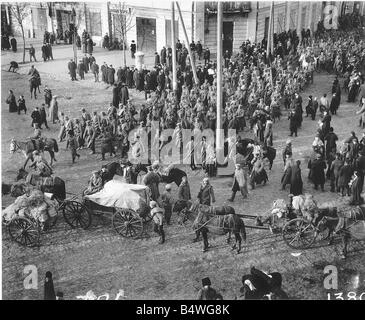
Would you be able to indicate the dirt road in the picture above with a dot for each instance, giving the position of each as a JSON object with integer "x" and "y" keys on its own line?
{"x": 99, "y": 260}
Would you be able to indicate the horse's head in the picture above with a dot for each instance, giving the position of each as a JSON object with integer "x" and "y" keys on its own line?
{"x": 13, "y": 146}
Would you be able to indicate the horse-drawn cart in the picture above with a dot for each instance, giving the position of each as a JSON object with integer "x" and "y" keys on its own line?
{"x": 297, "y": 233}
{"x": 127, "y": 204}
{"x": 26, "y": 224}
{"x": 299, "y": 229}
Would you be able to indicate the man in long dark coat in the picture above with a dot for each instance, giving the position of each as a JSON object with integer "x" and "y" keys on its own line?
{"x": 152, "y": 180}
{"x": 90, "y": 45}
{"x": 72, "y": 69}
{"x": 331, "y": 139}
{"x": 81, "y": 70}
{"x": 161, "y": 80}
{"x": 335, "y": 103}
{"x": 136, "y": 79}
{"x": 326, "y": 123}
{"x": 129, "y": 78}
{"x": 85, "y": 62}
{"x": 91, "y": 60}
{"x": 157, "y": 59}
{"x": 13, "y": 44}
{"x": 111, "y": 73}
{"x": 120, "y": 73}
{"x": 293, "y": 124}
{"x": 163, "y": 55}
{"x": 115, "y": 96}
{"x": 104, "y": 72}
{"x": 318, "y": 167}
{"x": 44, "y": 52}
{"x": 124, "y": 95}
{"x": 296, "y": 183}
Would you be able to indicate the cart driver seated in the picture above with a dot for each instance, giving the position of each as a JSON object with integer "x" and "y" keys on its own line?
{"x": 95, "y": 183}
{"x": 286, "y": 211}
{"x": 105, "y": 174}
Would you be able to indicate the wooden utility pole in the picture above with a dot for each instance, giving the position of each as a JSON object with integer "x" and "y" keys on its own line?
{"x": 270, "y": 39}
{"x": 173, "y": 47}
{"x": 192, "y": 63}
{"x": 219, "y": 140}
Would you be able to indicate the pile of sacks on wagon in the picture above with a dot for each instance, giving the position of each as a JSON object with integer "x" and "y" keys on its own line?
{"x": 34, "y": 205}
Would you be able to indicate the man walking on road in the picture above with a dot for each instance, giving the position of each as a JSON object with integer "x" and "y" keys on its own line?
{"x": 32, "y": 53}
{"x": 72, "y": 69}
{"x": 95, "y": 71}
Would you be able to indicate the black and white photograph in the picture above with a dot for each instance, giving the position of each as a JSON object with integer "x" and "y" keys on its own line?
{"x": 183, "y": 150}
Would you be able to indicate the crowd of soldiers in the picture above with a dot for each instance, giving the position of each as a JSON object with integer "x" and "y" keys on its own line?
{"x": 256, "y": 87}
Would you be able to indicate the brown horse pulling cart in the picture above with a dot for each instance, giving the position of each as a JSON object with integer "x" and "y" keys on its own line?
{"x": 298, "y": 232}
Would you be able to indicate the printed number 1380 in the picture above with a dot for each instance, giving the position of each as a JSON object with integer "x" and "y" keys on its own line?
{"x": 343, "y": 296}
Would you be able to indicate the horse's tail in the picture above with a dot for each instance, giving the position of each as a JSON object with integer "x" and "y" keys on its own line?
{"x": 55, "y": 145}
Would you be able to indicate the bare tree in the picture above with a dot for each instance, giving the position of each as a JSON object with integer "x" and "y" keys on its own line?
{"x": 20, "y": 11}
{"x": 124, "y": 21}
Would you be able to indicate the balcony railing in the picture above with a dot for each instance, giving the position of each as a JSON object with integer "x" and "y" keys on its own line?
{"x": 229, "y": 7}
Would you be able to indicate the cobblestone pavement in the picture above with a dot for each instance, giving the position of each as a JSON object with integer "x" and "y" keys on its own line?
{"x": 99, "y": 260}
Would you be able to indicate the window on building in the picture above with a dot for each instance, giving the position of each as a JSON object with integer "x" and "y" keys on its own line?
{"x": 95, "y": 24}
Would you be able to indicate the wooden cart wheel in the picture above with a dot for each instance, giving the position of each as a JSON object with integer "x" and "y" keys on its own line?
{"x": 24, "y": 231}
{"x": 76, "y": 214}
{"x": 140, "y": 177}
{"x": 299, "y": 233}
{"x": 127, "y": 223}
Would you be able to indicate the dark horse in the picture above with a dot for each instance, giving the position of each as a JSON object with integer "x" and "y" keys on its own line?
{"x": 173, "y": 175}
{"x": 27, "y": 147}
{"x": 218, "y": 220}
{"x": 34, "y": 84}
{"x": 137, "y": 171}
{"x": 53, "y": 185}
{"x": 348, "y": 222}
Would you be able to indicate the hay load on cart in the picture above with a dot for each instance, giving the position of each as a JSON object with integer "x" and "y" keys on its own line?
{"x": 127, "y": 203}
{"x": 35, "y": 205}
{"x": 28, "y": 216}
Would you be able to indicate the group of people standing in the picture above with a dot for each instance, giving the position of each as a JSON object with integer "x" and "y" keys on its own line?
{"x": 7, "y": 44}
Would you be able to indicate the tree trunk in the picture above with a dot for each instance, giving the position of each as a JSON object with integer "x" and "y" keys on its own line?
{"x": 23, "y": 36}
{"x": 74, "y": 46}
{"x": 124, "y": 55}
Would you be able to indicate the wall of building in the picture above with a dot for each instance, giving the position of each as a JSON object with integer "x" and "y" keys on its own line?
{"x": 161, "y": 16}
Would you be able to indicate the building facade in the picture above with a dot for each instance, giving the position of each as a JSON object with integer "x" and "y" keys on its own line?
{"x": 148, "y": 22}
